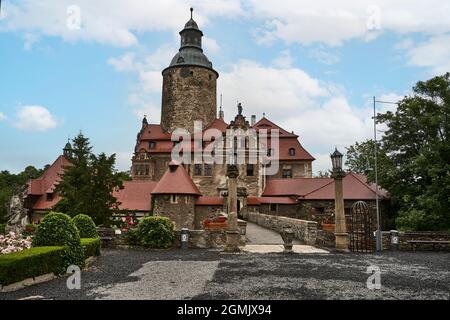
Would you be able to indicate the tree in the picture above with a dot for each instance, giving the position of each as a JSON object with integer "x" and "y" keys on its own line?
{"x": 361, "y": 159}
{"x": 418, "y": 144}
{"x": 87, "y": 184}
{"x": 416, "y": 148}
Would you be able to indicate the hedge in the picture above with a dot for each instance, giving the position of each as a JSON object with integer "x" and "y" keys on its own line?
{"x": 18, "y": 266}
{"x": 36, "y": 261}
{"x": 58, "y": 229}
{"x": 92, "y": 247}
{"x": 85, "y": 226}
{"x": 153, "y": 232}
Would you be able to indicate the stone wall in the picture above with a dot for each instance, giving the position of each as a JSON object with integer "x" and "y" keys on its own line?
{"x": 285, "y": 210}
{"x": 204, "y": 239}
{"x": 181, "y": 213}
{"x": 300, "y": 169}
{"x": 404, "y": 237}
{"x": 305, "y": 231}
{"x": 189, "y": 94}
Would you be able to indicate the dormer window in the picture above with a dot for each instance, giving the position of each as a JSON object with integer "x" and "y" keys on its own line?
{"x": 292, "y": 152}
{"x": 152, "y": 144}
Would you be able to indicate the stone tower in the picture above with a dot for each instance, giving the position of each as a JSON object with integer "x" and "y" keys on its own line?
{"x": 189, "y": 84}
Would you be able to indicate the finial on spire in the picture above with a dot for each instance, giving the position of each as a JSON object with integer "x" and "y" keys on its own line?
{"x": 192, "y": 10}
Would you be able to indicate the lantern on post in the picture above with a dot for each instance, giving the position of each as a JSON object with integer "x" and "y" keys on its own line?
{"x": 340, "y": 231}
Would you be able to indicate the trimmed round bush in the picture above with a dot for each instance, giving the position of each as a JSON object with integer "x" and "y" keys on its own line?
{"x": 85, "y": 226}
{"x": 58, "y": 229}
{"x": 154, "y": 232}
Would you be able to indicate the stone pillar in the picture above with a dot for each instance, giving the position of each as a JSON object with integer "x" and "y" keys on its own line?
{"x": 233, "y": 233}
{"x": 340, "y": 224}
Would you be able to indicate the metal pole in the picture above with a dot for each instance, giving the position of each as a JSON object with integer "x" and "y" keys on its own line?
{"x": 379, "y": 244}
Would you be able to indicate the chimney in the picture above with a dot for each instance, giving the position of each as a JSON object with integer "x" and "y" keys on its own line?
{"x": 253, "y": 119}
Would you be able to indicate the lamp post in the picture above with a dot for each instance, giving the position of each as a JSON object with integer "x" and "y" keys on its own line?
{"x": 378, "y": 239}
{"x": 338, "y": 174}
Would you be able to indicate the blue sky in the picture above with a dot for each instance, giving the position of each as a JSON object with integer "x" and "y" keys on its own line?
{"x": 312, "y": 68}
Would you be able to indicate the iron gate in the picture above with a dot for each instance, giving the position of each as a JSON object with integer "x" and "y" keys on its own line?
{"x": 361, "y": 228}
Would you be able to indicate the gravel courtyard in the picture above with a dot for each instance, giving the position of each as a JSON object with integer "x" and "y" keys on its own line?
{"x": 211, "y": 274}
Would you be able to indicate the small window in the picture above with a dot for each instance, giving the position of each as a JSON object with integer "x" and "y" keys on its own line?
{"x": 197, "y": 170}
{"x": 174, "y": 199}
{"x": 147, "y": 170}
{"x": 269, "y": 152}
{"x": 287, "y": 173}
{"x": 210, "y": 77}
{"x": 292, "y": 152}
{"x": 273, "y": 207}
{"x": 250, "y": 170}
{"x": 208, "y": 170}
{"x": 192, "y": 73}
{"x": 49, "y": 196}
{"x": 152, "y": 144}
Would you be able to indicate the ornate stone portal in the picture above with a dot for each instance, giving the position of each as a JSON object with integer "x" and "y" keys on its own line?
{"x": 233, "y": 233}
{"x": 17, "y": 213}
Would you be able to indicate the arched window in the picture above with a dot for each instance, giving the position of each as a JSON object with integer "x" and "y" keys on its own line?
{"x": 292, "y": 152}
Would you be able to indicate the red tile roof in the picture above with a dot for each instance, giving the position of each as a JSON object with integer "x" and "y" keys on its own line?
{"x": 48, "y": 180}
{"x": 265, "y": 123}
{"x": 323, "y": 188}
{"x": 277, "y": 200}
{"x": 353, "y": 188}
{"x": 219, "y": 124}
{"x": 293, "y": 187}
{"x": 47, "y": 183}
{"x": 176, "y": 181}
{"x": 209, "y": 201}
{"x": 136, "y": 195}
{"x": 253, "y": 201}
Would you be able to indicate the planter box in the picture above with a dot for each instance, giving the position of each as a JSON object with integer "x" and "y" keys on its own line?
{"x": 328, "y": 227}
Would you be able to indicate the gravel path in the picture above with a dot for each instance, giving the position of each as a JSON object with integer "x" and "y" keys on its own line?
{"x": 211, "y": 274}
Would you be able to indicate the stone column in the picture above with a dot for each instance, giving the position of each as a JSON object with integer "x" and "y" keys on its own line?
{"x": 233, "y": 233}
{"x": 340, "y": 223}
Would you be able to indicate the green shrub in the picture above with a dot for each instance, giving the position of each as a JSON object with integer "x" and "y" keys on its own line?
{"x": 2, "y": 228}
{"x": 57, "y": 229}
{"x": 30, "y": 230}
{"x": 85, "y": 226}
{"x": 91, "y": 246}
{"x": 29, "y": 263}
{"x": 154, "y": 232}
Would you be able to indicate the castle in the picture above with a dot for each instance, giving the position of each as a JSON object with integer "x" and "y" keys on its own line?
{"x": 189, "y": 191}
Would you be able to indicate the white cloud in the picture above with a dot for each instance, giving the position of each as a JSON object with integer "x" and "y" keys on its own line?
{"x": 210, "y": 45}
{"x": 284, "y": 60}
{"x": 334, "y": 22}
{"x": 433, "y": 53}
{"x": 35, "y": 118}
{"x": 2, "y": 116}
{"x": 278, "y": 92}
{"x": 113, "y": 22}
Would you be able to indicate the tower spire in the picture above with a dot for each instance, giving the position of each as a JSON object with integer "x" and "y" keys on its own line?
{"x": 192, "y": 11}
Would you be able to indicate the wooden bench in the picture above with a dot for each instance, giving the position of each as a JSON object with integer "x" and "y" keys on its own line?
{"x": 440, "y": 244}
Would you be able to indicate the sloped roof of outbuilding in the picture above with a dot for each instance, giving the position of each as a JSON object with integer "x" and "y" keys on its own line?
{"x": 176, "y": 181}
